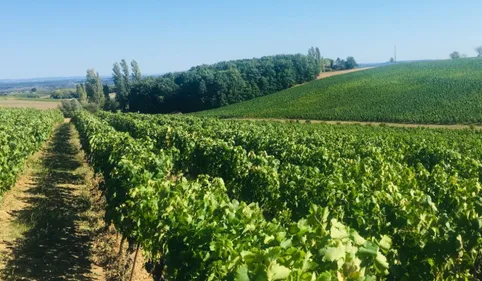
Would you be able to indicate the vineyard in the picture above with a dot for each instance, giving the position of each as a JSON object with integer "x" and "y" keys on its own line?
{"x": 210, "y": 199}
{"x": 445, "y": 92}
{"x": 22, "y": 132}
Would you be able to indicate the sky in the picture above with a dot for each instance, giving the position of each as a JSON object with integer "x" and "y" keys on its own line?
{"x": 60, "y": 38}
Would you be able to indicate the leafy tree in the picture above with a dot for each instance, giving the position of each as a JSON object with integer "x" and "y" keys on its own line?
{"x": 479, "y": 51}
{"x": 350, "y": 63}
{"x": 339, "y": 64}
{"x": 318, "y": 58}
{"x": 328, "y": 64}
{"x": 230, "y": 86}
{"x": 126, "y": 80}
{"x": 64, "y": 94}
{"x": 93, "y": 87}
{"x": 120, "y": 87}
{"x": 81, "y": 93}
{"x": 312, "y": 52}
{"x": 108, "y": 105}
{"x": 392, "y": 60}
{"x": 455, "y": 55}
{"x": 33, "y": 90}
{"x": 316, "y": 55}
{"x": 150, "y": 95}
{"x": 136, "y": 72}
{"x": 69, "y": 107}
{"x": 125, "y": 74}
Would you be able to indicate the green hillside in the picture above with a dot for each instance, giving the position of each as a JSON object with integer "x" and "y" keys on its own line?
{"x": 448, "y": 91}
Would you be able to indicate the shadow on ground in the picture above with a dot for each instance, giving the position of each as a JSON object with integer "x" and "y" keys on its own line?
{"x": 53, "y": 248}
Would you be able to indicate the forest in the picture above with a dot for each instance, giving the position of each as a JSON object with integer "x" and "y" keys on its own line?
{"x": 210, "y": 86}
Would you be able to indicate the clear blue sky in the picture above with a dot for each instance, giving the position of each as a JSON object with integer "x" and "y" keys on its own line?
{"x": 65, "y": 37}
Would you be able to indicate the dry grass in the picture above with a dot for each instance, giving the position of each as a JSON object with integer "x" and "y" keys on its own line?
{"x": 334, "y": 73}
{"x": 323, "y": 75}
{"x": 13, "y": 201}
{"x": 8, "y": 102}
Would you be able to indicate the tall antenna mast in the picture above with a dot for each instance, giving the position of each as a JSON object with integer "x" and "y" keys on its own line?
{"x": 395, "y": 53}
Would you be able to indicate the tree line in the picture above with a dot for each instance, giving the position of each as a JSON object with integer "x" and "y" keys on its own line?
{"x": 205, "y": 86}
{"x": 456, "y": 55}
{"x": 210, "y": 86}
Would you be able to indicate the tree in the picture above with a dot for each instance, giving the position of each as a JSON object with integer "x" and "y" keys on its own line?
{"x": 33, "y": 90}
{"x": 93, "y": 87}
{"x": 479, "y": 51}
{"x": 350, "y": 63}
{"x": 81, "y": 93}
{"x": 149, "y": 95}
{"x": 312, "y": 52}
{"x": 455, "y": 55}
{"x": 136, "y": 72}
{"x": 126, "y": 80}
{"x": 339, "y": 64}
{"x": 392, "y": 60}
{"x": 318, "y": 58}
{"x": 121, "y": 93}
{"x": 126, "y": 74}
{"x": 108, "y": 102}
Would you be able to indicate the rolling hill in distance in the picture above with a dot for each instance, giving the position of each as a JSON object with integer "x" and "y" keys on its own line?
{"x": 445, "y": 92}
{"x": 7, "y": 85}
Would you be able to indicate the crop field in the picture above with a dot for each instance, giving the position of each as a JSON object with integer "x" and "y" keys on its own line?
{"x": 442, "y": 92}
{"x": 217, "y": 199}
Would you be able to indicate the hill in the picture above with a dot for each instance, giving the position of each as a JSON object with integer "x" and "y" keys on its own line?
{"x": 448, "y": 91}
{"x": 46, "y": 84}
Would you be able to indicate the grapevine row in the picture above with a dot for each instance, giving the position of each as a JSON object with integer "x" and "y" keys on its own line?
{"x": 429, "y": 207}
{"x": 22, "y": 132}
{"x": 196, "y": 232}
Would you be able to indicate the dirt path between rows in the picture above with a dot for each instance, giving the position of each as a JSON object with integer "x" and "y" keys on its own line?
{"x": 324, "y": 75}
{"x": 44, "y": 219}
{"x": 334, "y": 73}
{"x": 52, "y": 221}
{"x": 401, "y": 125}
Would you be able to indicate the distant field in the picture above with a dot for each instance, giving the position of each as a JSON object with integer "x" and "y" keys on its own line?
{"x": 31, "y": 103}
{"x": 445, "y": 92}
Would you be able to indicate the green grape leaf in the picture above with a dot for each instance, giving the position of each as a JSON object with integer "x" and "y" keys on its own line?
{"x": 242, "y": 273}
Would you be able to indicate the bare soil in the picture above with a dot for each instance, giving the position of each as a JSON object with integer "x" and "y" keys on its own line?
{"x": 334, "y": 73}
{"x": 323, "y": 75}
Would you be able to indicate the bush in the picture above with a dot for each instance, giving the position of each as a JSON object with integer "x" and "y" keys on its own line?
{"x": 91, "y": 107}
{"x": 68, "y": 107}
{"x": 28, "y": 95}
{"x": 64, "y": 94}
